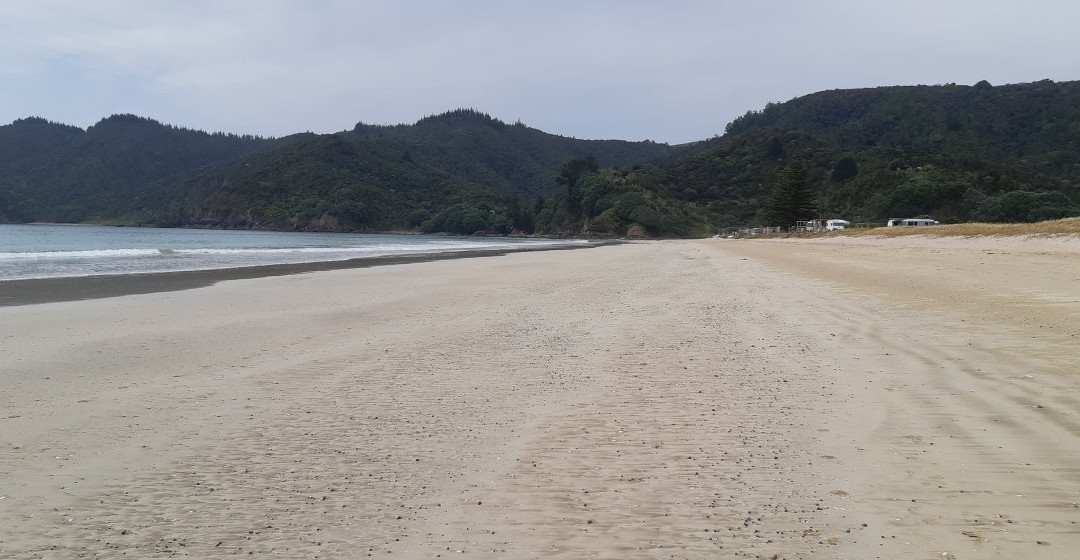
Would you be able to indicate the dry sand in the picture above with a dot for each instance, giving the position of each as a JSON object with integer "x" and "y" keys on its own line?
{"x": 697, "y": 399}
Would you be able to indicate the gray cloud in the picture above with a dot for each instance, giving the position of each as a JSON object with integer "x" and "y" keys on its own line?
{"x": 674, "y": 71}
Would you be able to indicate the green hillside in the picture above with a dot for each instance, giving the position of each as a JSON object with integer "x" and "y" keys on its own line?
{"x": 57, "y": 173}
{"x": 957, "y": 153}
{"x": 459, "y": 172}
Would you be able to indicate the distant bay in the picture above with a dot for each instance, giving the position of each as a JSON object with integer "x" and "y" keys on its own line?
{"x": 37, "y": 251}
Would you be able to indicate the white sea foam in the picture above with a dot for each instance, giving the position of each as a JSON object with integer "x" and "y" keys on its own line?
{"x": 92, "y": 254}
{"x": 56, "y": 251}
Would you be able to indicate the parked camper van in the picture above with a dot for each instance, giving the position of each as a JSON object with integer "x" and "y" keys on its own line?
{"x": 821, "y": 225}
{"x": 906, "y": 222}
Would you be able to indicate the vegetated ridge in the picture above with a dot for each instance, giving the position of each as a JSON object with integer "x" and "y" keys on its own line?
{"x": 958, "y": 153}
{"x": 461, "y": 171}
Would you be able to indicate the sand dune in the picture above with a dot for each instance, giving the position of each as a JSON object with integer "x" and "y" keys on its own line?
{"x": 697, "y": 399}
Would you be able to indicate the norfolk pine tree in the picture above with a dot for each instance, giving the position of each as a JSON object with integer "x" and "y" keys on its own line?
{"x": 790, "y": 199}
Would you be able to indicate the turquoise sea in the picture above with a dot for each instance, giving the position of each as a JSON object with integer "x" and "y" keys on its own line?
{"x": 51, "y": 251}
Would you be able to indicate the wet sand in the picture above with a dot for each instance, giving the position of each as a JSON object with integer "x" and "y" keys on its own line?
{"x": 692, "y": 399}
{"x": 50, "y": 290}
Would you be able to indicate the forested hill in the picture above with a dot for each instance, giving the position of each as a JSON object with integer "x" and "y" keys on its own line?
{"x": 516, "y": 158}
{"x": 445, "y": 169}
{"x": 958, "y": 153}
{"x": 459, "y": 172}
{"x": 1012, "y": 121}
{"x": 58, "y": 173}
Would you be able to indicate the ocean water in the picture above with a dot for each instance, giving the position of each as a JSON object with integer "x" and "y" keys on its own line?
{"x": 51, "y": 251}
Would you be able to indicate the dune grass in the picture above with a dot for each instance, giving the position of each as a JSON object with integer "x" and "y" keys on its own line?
{"x": 1051, "y": 228}
{"x": 1067, "y": 226}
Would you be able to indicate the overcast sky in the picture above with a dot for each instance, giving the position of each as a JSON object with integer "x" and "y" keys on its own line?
{"x": 670, "y": 71}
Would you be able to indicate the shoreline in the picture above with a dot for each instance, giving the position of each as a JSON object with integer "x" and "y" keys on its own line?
{"x": 78, "y": 288}
{"x": 682, "y": 399}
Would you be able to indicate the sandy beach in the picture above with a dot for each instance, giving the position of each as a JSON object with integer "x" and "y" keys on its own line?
{"x": 835, "y": 398}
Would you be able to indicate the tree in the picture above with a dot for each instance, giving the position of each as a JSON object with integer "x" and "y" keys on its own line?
{"x": 573, "y": 170}
{"x": 846, "y": 169}
{"x": 570, "y": 174}
{"x": 1024, "y": 206}
{"x": 790, "y": 199}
